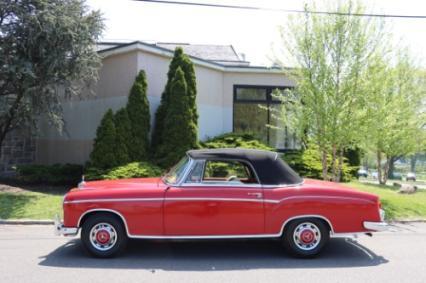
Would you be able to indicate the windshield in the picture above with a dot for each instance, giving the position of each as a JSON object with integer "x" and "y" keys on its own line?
{"x": 176, "y": 173}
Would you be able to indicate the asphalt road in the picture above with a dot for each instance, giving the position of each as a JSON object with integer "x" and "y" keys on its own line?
{"x": 33, "y": 254}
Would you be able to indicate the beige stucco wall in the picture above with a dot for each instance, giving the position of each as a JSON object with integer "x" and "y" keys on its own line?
{"x": 117, "y": 74}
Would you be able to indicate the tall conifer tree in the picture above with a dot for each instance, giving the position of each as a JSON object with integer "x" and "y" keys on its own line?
{"x": 103, "y": 155}
{"x": 139, "y": 115}
{"x": 180, "y": 132}
{"x": 123, "y": 137}
{"x": 182, "y": 61}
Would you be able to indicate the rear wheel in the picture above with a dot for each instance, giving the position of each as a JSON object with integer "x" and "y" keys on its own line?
{"x": 103, "y": 235}
{"x": 306, "y": 237}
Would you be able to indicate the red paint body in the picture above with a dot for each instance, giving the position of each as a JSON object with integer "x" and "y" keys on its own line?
{"x": 152, "y": 208}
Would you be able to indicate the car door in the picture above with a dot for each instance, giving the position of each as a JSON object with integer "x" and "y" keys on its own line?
{"x": 218, "y": 198}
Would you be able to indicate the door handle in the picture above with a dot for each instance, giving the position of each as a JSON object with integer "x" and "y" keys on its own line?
{"x": 258, "y": 195}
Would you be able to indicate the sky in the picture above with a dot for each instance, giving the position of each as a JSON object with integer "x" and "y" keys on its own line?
{"x": 254, "y": 33}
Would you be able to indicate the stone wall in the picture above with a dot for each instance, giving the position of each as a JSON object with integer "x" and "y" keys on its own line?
{"x": 18, "y": 148}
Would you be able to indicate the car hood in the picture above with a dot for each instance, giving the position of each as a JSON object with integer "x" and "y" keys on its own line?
{"x": 117, "y": 189}
{"x": 136, "y": 183}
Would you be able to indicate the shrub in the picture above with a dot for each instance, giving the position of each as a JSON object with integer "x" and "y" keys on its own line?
{"x": 57, "y": 174}
{"x": 139, "y": 115}
{"x": 179, "y": 133}
{"x": 233, "y": 140}
{"x": 308, "y": 163}
{"x": 123, "y": 137}
{"x": 103, "y": 154}
{"x": 182, "y": 61}
{"x": 131, "y": 170}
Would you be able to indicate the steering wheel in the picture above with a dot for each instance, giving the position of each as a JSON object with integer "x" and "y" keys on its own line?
{"x": 232, "y": 178}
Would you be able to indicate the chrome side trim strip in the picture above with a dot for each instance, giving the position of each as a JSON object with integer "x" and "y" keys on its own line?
{"x": 113, "y": 200}
{"x": 318, "y": 196}
{"x": 277, "y": 235}
{"x": 209, "y": 199}
{"x": 163, "y": 199}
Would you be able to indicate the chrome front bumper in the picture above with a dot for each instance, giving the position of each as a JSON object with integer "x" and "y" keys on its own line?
{"x": 65, "y": 231}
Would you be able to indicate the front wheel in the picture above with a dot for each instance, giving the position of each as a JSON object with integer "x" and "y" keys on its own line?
{"x": 103, "y": 235}
{"x": 306, "y": 237}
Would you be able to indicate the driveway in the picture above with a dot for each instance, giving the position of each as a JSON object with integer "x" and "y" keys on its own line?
{"x": 33, "y": 254}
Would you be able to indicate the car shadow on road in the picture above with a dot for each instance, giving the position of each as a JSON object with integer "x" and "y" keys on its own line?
{"x": 213, "y": 255}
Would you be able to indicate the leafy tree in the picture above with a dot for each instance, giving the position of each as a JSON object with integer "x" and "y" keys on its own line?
{"x": 103, "y": 154}
{"x": 139, "y": 115}
{"x": 180, "y": 60}
{"x": 180, "y": 132}
{"x": 123, "y": 137}
{"x": 394, "y": 114}
{"x": 46, "y": 55}
{"x": 331, "y": 54}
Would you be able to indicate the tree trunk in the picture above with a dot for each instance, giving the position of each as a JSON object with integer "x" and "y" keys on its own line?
{"x": 413, "y": 162}
{"x": 339, "y": 170}
{"x": 386, "y": 171}
{"x": 324, "y": 164}
{"x": 391, "y": 161}
{"x": 333, "y": 163}
{"x": 379, "y": 166}
{"x": 6, "y": 125}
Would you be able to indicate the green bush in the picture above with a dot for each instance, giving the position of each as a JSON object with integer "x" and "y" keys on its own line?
{"x": 123, "y": 137}
{"x": 180, "y": 132}
{"x": 103, "y": 154}
{"x": 183, "y": 62}
{"x": 57, "y": 174}
{"x": 138, "y": 113}
{"x": 234, "y": 140}
{"x": 131, "y": 170}
{"x": 307, "y": 163}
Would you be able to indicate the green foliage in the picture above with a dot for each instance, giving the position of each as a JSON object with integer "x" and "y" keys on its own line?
{"x": 123, "y": 137}
{"x": 103, "y": 154}
{"x": 139, "y": 115}
{"x": 180, "y": 60}
{"x": 307, "y": 163}
{"x": 179, "y": 133}
{"x": 131, "y": 170}
{"x": 46, "y": 55}
{"x": 57, "y": 174}
{"x": 332, "y": 54}
{"x": 234, "y": 140}
{"x": 353, "y": 157}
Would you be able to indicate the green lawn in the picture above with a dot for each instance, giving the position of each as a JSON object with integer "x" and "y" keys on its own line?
{"x": 397, "y": 206}
{"x": 30, "y": 205}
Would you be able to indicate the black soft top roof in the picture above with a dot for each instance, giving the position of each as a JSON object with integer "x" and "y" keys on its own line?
{"x": 269, "y": 167}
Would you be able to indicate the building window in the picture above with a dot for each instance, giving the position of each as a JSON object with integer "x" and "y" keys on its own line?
{"x": 255, "y": 107}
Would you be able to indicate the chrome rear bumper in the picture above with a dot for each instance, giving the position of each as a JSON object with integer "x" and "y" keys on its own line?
{"x": 65, "y": 231}
{"x": 376, "y": 226}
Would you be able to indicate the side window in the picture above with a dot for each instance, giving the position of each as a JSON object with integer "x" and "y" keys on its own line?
{"x": 228, "y": 171}
{"x": 196, "y": 173}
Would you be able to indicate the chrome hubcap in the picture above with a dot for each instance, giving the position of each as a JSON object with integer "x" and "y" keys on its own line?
{"x": 103, "y": 236}
{"x": 307, "y": 236}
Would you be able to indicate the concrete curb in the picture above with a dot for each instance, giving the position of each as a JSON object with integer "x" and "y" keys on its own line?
{"x": 51, "y": 222}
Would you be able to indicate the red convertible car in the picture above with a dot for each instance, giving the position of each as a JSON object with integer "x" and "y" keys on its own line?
{"x": 219, "y": 194}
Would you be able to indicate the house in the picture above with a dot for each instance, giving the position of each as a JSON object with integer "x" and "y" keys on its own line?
{"x": 229, "y": 91}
